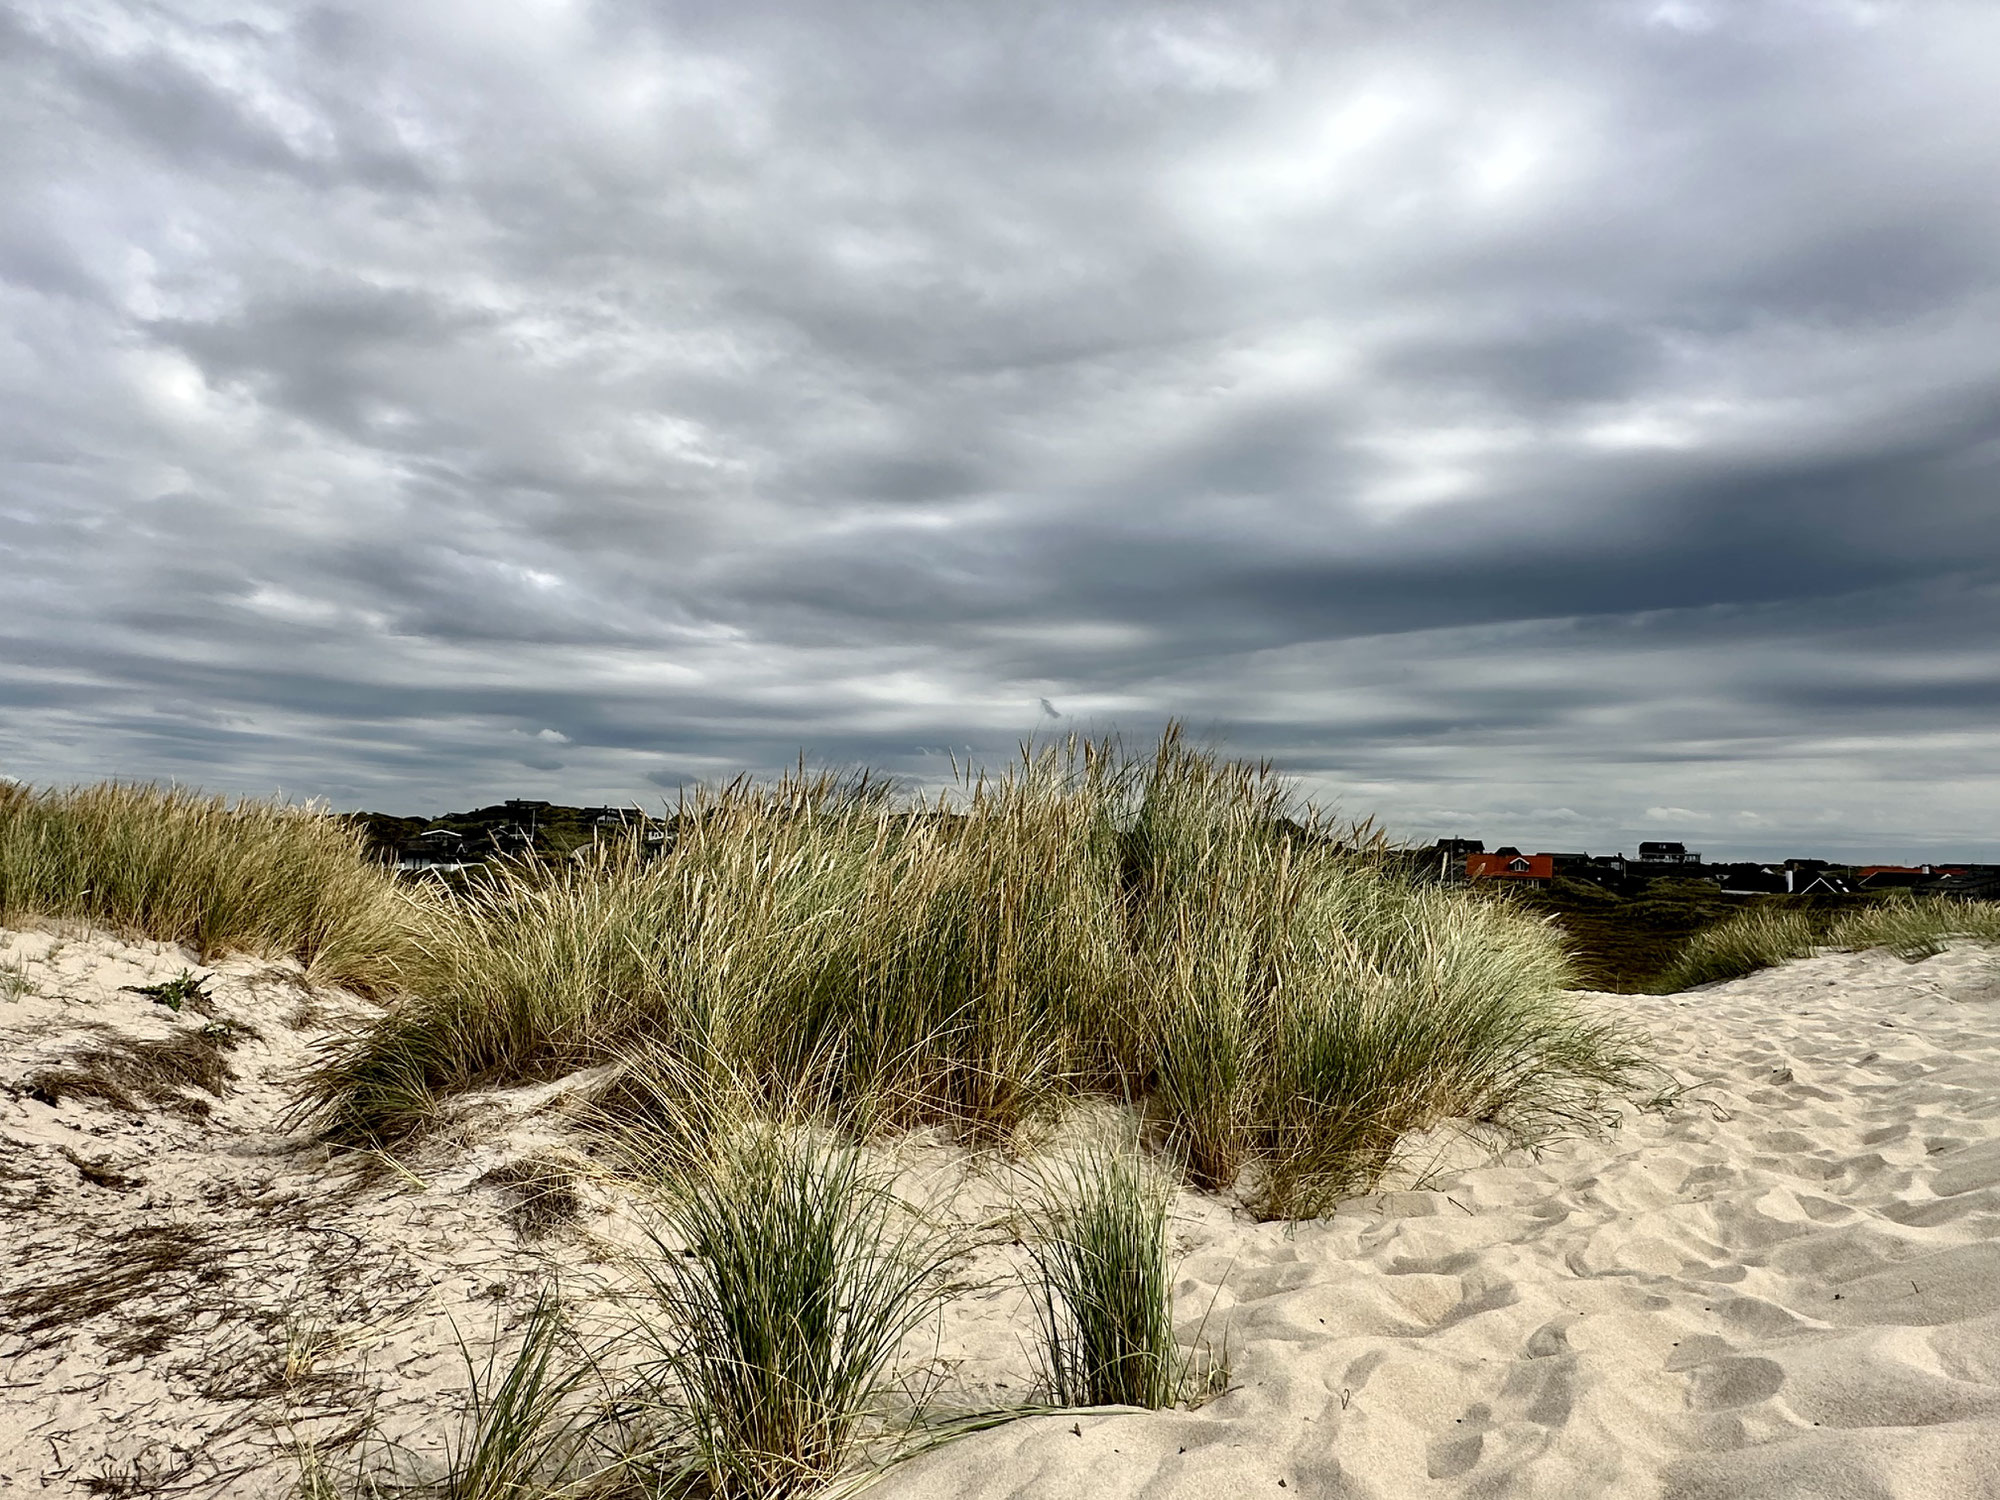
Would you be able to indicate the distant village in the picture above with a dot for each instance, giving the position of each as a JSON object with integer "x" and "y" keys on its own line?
{"x": 514, "y": 829}
{"x": 1470, "y": 860}
{"x": 457, "y": 842}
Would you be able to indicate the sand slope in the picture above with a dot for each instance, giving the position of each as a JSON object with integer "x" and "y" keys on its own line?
{"x": 1786, "y": 1284}
{"x": 185, "y": 1291}
{"x": 1785, "y": 1281}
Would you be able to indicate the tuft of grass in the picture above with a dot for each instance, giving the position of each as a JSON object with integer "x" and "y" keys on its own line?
{"x": 309, "y": 1338}
{"x": 183, "y": 867}
{"x": 1915, "y": 927}
{"x": 1756, "y": 939}
{"x": 1103, "y": 1288}
{"x": 530, "y": 1427}
{"x": 1310, "y": 1008}
{"x": 786, "y": 1276}
{"x": 524, "y": 1435}
{"x": 14, "y": 980}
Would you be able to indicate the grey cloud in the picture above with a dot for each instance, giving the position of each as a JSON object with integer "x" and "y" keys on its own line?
{"x": 328, "y": 354}
{"x": 1539, "y": 366}
{"x": 1521, "y": 416}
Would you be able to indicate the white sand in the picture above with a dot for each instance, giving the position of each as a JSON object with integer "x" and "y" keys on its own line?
{"x": 221, "y": 1246}
{"x": 1785, "y": 1284}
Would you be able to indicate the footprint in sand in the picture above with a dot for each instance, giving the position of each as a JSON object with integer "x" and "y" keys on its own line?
{"x": 1452, "y": 1456}
{"x": 1727, "y": 1384}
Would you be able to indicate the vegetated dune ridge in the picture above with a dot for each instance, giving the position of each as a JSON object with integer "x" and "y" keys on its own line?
{"x": 1785, "y": 1281}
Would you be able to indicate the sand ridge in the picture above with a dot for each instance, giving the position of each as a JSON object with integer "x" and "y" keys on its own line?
{"x": 1784, "y": 1280}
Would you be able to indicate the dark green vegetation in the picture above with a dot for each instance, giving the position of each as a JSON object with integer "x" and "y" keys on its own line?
{"x": 524, "y": 1432}
{"x": 173, "y": 993}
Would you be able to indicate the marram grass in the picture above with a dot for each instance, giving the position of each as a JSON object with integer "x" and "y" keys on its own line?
{"x": 785, "y": 1275}
{"x": 1915, "y": 927}
{"x": 184, "y": 867}
{"x": 1910, "y": 926}
{"x": 1751, "y": 940}
{"x": 1172, "y": 931}
{"x": 1102, "y": 1283}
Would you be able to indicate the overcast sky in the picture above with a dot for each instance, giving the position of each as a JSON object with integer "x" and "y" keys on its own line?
{"x": 1564, "y": 423}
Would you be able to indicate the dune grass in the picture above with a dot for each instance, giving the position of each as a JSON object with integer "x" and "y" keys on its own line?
{"x": 183, "y": 867}
{"x": 1307, "y": 1007}
{"x": 1760, "y": 938}
{"x": 525, "y": 1433}
{"x": 1911, "y": 926}
{"x": 1915, "y": 927}
{"x": 786, "y": 1274}
{"x": 842, "y": 952}
{"x": 537, "y": 1422}
{"x": 1103, "y": 1286}
{"x": 1172, "y": 931}
{"x": 1414, "y": 1006}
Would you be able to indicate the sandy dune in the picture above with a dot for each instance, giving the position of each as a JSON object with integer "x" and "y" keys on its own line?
{"x": 1784, "y": 1282}
{"x": 185, "y": 1292}
{"x": 1787, "y": 1284}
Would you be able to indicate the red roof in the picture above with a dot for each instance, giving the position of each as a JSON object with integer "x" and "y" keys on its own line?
{"x": 1510, "y": 866}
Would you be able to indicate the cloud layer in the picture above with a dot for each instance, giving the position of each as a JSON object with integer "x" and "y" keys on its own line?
{"x": 1570, "y": 431}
